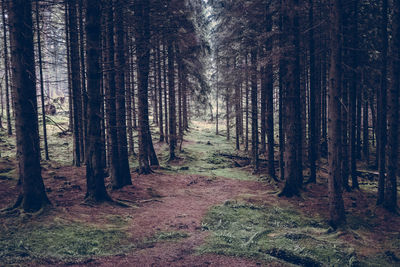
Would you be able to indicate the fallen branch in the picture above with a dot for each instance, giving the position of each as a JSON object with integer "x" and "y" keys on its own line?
{"x": 56, "y": 124}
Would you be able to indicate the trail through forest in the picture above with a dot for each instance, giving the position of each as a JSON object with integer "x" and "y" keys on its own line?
{"x": 204, "y": 209}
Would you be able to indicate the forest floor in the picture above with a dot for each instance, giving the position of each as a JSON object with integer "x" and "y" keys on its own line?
{"x": 205, "y": 209}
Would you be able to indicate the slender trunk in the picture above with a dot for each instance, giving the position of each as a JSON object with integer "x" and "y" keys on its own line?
{"x": 165, "y": 90}
{"x": 390, "y": 198}
{"x": 6, "y": 67}
{"x": 114, "y": 168}
{"x": 247, "y": 102}
{"x": 263, "y": 111}
{"x": 365, "y": 127}
{"x": 76, "y": 80}
{"x": 83, "y": 80}
{"x": 217, "y": 97}
{"x": 68, "y": 48}
{"x": 382, "y": 109}
{"x": 254, "y": 109}
{"x": 336, "y": 205}
{"x": 312, "y": 143}
{"x": 142, "y": 23}
{"x": 132, "y": 67}
{"x": 185, "y": 119}
{"x": 155, "y": 101}
{"x": 171, "y": 104}
{"x": 128, "y": 97}
{"x": 46, "y": 148}
{"x": 270, "y": 119}
{"x": 160, "y": 90}
{"x": 237, "y": 111}
{"x": 281, "y": 98}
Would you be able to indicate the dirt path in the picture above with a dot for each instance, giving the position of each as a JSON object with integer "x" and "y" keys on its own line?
{"x": 183, "y": 203}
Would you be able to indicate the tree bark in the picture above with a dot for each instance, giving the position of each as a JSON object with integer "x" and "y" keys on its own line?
{"x": 114, "y": 168}
{"x": 160, "y": 90}
{"x": 142, "y": 9}
{"x": 165, "y": 90}
{"x": 291, "y": 69}
{"x": 312, "y": 143}
{"x": 96, "y": 190}
{"x": 254, "y": 111}
{"x": 382, "y": 108}
{"x": 336, "y": 205}
{"x": 171, "y": 103}
{"x": 32, "y": 197}
{"x": 6, "y": 67}
{"x": 120, "y": 65}
{"x": 46, "y": 148}
{"x": 390, "y": 199}
{"x": 76, "y": 81}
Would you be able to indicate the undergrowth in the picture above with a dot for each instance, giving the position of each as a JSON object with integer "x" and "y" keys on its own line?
{"x": 60, "y": 242}
{"x": 271, "y": 232}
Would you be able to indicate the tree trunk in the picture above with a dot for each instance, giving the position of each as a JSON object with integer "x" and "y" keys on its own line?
{"x": 390, "y": 199}
{"x": 6, "y": 67}
{"x": 114, "y": 168}
{"x": 365, "y": 127}
{"x": 382, "y": 109}
{"x": 291, "y": 69}
{"x": 281, "y": 97}
{"x": 120, "y": 65}
{"x": 217, "y": 97}
{"x": 83, "y": 79}
{"x": 32, "y": 197}
{"x": 76, "y": 81}
{"x": 237, "y": 111}
{"x": 270, "y": 118}
{"x": 96, "y": 190}
{"x": 254, "y": 111}
{"x": 336, "y": 205}
{"x": 247, "y": 102}
{"x": 142, "y": 9}
{"x": 263, "y": 111}
{"x": 312, "y": 143}
{"x": 165, "y": 90}
{"x": 171, "y": 104}
{"x": 155, "y": 100}
{"x": 68, "y": 48}
{"x": 46, "y": 148}
{"x": 128, "y": 96}
{"x": 160, "y": 90}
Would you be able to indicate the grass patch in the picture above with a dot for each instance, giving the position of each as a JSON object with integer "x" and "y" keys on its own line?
{"x": 60, "y": 242}
{"x": 271, "y": 233}
{"x": 203, "y": 155}
{"x": 169, "y": 236}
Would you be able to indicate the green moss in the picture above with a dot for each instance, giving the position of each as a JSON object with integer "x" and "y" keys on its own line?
{"x": 245, "y": 230}
{"x": 169, "y": 236}
{"x": 60, "y": 242}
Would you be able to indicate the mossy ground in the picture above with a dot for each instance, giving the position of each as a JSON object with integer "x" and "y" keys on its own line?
{"x": 73, "y": 242}
{"x": 60, "y": 241}
{"x": 247, "y": 230}
{"x": 203, "y": 154}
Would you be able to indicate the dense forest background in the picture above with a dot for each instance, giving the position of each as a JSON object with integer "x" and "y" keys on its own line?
{"x": 287, "y": 112}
